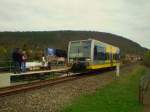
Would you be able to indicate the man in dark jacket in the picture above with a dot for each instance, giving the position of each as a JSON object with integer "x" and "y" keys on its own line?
{"x": 16, "y": 56}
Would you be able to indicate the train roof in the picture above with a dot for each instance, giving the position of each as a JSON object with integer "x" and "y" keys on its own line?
{"x": 96, "y": 41}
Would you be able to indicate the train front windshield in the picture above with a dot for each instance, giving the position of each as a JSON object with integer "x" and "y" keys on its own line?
{"x": 80, "y": 50}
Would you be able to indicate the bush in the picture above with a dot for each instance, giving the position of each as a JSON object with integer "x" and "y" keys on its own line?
{"x": 147, "y": 58}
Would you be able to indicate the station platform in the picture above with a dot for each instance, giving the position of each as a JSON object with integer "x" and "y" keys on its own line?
{"x": 6, "y": 79}
{"x": 42, "y": 71}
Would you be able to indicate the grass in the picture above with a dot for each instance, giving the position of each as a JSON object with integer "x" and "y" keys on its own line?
{"x": 119, "y": 96}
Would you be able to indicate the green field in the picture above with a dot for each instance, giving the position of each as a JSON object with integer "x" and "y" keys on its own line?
{"x": 119, "y": 96}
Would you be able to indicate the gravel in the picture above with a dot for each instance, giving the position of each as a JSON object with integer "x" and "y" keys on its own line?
{"x": 53, "y": 98}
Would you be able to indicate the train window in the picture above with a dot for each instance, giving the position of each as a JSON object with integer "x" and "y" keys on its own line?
{"x": 95, "y": 53}
{"x": 111, "y": 56}
{"x": 102, "y": 56}
{"x": 99, "y": 53}
{"x": 117, "y": 56}
{"x": 114, "y": 56}
{"x": 80, "y": 49}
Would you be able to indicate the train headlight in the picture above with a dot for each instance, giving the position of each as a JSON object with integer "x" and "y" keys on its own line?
{"x": 88, "y": 59}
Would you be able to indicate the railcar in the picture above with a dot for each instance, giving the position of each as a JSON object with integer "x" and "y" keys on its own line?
{"x": 92, "y": 54}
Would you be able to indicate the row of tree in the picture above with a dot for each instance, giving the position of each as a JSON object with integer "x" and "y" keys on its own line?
{"x": 32, "y": 54}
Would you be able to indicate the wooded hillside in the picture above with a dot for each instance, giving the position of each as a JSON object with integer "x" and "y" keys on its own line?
{"x": 59, "y": 39}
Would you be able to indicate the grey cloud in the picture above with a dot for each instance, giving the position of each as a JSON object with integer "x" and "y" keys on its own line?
{"x": 127, "y": 18}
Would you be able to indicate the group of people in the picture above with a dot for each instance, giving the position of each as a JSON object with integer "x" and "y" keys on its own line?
{"x": 19, "y": 59}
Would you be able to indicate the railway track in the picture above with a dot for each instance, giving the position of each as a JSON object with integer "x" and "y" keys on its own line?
{"x": 5, "y": 91}
{"x": 38, "y": 84}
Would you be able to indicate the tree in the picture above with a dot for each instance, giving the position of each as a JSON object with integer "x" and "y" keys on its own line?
{"x": 3, "y": 52}
{"x": 147, "y": 58}
{"x": 38, "y": 53}
{"x": 29, "y": 52}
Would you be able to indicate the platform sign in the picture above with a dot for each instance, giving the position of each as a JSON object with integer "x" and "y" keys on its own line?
{"x": 50, "y": 51}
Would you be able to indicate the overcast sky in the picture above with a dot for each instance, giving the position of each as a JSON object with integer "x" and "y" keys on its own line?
{"x": 128, "y": 18}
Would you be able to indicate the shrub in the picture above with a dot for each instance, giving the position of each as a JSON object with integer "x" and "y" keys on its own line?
{"x": 147, "y": 58}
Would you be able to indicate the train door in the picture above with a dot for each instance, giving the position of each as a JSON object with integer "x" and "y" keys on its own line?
{"x": 99, "y": 54}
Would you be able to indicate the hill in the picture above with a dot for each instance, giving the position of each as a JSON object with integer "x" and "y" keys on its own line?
{"x": 60, "y": 39}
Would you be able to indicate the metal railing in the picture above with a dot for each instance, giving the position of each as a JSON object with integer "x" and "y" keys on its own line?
{"x": 6, "y": 66}
{"x": 143, "y": 87}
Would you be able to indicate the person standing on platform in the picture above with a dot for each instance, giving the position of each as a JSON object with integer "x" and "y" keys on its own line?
{"x": 16, "y": 60}
{"x": 44, "y": 61}
{"x": 23, "y": 61}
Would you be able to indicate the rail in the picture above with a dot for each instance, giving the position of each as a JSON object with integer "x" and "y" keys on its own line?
{"x": 34, "y": 85}
{"x": 143, "y": 87}
{"x": 5, "y": 91}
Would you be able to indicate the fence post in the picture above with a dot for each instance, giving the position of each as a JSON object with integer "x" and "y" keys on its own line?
{"x": 117, "y": 75}
{"x": 140, "y": 94}
{"x": 143, "y": 87}
{"x": 10, "y": 66}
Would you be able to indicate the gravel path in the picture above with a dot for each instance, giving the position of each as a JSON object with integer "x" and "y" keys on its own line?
{"x": 52, "y": 98}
